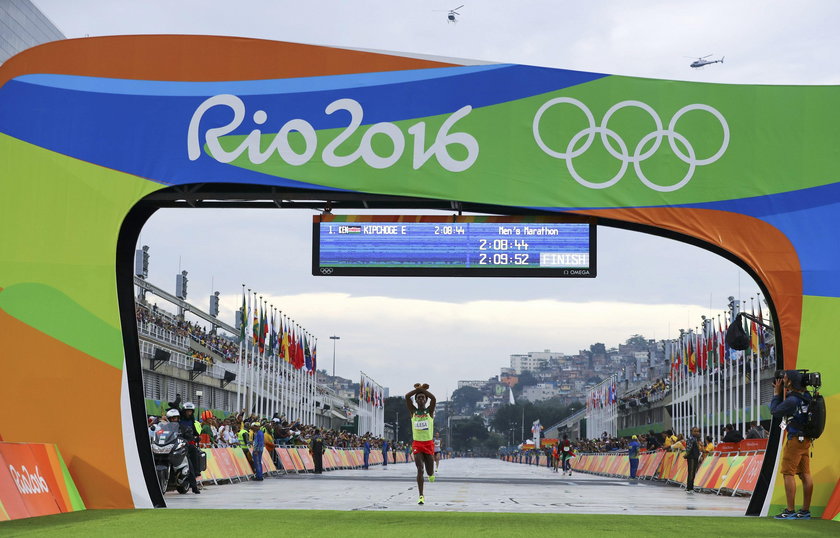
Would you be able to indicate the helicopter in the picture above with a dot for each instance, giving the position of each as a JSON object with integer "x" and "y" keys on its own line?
{"x": 450, "y": 15}
{"x": 700, "y": 62}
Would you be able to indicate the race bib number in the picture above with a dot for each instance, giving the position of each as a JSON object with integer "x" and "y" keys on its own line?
{"x": 421, "y": 425}
{"x": 565, "y": 449}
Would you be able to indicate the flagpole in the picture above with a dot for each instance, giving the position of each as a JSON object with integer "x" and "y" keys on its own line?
{"x": 239, "y": 357}
{"x": 670, "y": 353}
{"x": 249, "y": 373}
{"x": 252, "y": 402}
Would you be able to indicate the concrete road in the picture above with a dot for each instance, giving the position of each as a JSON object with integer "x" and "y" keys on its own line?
{"x": 462, "y": 485}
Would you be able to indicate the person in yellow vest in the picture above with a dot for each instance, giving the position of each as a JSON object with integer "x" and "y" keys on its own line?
{"x": 244, "y": 437}
{"x": 422, "y": 426}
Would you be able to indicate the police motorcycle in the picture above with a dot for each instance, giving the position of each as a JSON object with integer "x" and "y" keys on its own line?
{"x": 170, "y": 453}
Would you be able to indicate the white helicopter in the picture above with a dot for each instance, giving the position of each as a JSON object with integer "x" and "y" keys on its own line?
{"x": 702, "y": 61}
{"x": 450, "y": 15}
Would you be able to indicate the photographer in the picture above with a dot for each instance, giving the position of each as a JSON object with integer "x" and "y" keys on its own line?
{"x": 796, "y": 459}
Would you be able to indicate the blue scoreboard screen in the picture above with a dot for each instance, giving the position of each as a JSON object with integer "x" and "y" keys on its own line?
{"x": 412, "y": 245}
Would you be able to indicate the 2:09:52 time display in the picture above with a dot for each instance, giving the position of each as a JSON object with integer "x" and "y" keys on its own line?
{"x": 502, "y": 258}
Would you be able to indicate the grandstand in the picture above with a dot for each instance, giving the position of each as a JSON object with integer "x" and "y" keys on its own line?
{"x": 181, "y": 356}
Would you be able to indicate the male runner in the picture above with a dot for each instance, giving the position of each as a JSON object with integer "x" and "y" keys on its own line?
{"x": 565, "y": 450}
{"x": 422, "y": 426}
{"x": 437, "y": 451}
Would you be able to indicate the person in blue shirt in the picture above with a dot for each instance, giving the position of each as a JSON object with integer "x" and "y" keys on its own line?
{"x": 633, "y": 454}
{"x": 366, "y": 452}
{"x": 257, "y": 450}
{"x": 796, "y": 459}
{"x": 384, "y": 453}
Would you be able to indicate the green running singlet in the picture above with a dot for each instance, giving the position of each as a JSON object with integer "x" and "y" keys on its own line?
{"x": 422, "y": 427}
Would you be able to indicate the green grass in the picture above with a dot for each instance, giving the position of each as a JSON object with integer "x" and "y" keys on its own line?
{"x": 302, "y": 523}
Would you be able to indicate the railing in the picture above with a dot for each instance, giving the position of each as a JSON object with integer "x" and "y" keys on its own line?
{"x": 162, "y": 335}
{"x": 731, "y": 469}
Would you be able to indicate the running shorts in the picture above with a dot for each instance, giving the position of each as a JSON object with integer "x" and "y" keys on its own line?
{"x": 423, "y": 447}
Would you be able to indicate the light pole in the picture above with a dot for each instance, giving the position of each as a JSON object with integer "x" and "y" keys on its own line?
{"x": 334, "y": 338}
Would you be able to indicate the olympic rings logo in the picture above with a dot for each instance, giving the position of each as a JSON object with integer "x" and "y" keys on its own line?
{"x": 623, "y": 154}
{"x": 326, "y": 270}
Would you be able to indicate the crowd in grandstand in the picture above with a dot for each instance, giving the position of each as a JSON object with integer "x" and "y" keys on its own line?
{"x": 228, "y": 348}
{"x": 647, "y": 394}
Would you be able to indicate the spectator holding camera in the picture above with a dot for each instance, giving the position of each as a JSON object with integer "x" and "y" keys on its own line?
{"x": 796, "y": 459}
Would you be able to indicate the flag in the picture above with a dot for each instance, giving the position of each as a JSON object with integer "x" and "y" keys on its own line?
{"x": 273, "y": 339}
{"x": 244, "y": 320}
{"x": 307, "y": 355}
{"x": 721, "y": 344}
{"x": 256, "y": 324}
{"x": 263, "y": 329}
{"x": 285, "y": 344}
{"x": 753, "y": 335}
{"x": 314, "y": 357}
{"x": 300, "y": 359}
{"x": 762, "y": 345}
{"x": 510, "y": 399}
{"x": 692, "y": 358}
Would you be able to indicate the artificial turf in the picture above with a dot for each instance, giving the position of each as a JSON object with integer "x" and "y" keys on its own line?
{"x": 302, "y": 523}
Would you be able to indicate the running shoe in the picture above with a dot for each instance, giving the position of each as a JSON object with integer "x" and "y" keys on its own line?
{"x": 786, "y": 514}
{"x": 432, "y": 478}
{"x": 421, "y": 500}
{"x": 803, "y": 514}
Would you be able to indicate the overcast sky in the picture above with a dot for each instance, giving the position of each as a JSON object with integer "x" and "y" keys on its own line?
{"x": 400, "y": 331}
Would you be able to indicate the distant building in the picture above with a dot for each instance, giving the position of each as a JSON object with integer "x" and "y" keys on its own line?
{"x": 23, "y": 26}
{"x": 540, "y": 391}
{"x": 476, "y": 384}
{"x": 535, "y": 360}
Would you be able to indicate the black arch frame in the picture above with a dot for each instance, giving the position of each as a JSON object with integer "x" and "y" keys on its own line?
{"x": 216, "y": 195}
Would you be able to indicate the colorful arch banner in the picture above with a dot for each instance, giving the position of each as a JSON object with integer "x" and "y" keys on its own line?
{"x": 34, "y": 481}
{"x": 89, "y": 128}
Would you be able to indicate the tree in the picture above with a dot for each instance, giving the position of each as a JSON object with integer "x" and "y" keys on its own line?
{"x": 527, "y": 379}
{"x": 637, "y": 340}
{"x": 397, "y": 413}
{"x": 465, "y": 398}
{"x": 468, "y": 434}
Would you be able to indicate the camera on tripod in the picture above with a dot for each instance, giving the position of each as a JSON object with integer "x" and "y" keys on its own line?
{"x": 809, "y": 379}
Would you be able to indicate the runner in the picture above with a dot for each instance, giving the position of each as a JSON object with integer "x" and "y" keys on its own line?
{"x": 422, "y": 426}
{"x": 565, "y": 454}
{"x": 437, "y": 452}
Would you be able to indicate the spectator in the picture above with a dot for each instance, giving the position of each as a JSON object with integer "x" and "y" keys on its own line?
{"x": 756, "y": 431}
{"x": 692, "y": 455}
{"x": 633, "y": 454}
{"x": 652, "y": 441}
{"x": 732, "y": 435}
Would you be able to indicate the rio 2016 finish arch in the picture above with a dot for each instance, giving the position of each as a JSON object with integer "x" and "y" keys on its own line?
{"x": 91, "y": 127}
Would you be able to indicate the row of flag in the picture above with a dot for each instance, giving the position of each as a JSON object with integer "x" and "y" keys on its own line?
{"x": 705, "y": 350}
{"x": 602, "y": 396}
{"x": 275, "y": 335}
{"x": 371, "y": 393}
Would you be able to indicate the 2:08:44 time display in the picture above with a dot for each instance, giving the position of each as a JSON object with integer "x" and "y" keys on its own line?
{"x": 502, "y": 258}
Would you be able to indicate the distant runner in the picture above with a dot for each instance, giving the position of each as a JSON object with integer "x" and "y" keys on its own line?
{"x": 565, "y": 454}
{"x": 422, "y": 426}
{"x": 437, "y": 451}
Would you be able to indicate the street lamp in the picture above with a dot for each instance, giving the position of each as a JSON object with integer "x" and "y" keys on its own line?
{"x": 334, "y": 338}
